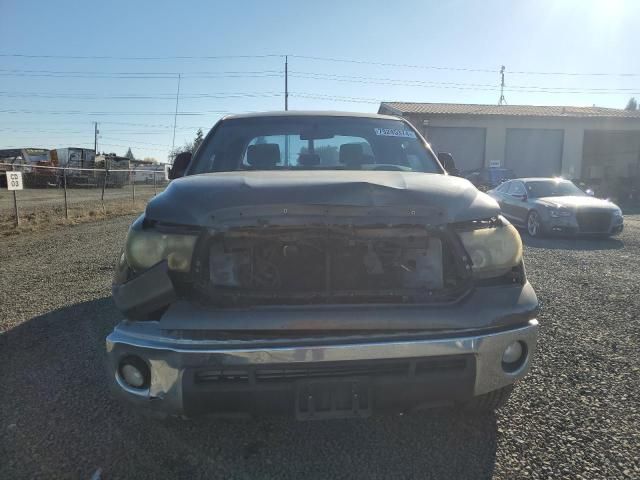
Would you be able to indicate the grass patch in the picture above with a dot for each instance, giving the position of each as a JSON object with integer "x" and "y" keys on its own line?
{"x": 43, "y": 217}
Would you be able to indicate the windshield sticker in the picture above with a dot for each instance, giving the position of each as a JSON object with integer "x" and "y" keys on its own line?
{"x": 394, "y": 132}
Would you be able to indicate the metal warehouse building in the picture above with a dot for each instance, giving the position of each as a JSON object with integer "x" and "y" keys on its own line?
{"x": 575, "y": 142}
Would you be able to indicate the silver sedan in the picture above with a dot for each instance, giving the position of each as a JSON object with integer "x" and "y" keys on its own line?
{"x": 554, "y": 205}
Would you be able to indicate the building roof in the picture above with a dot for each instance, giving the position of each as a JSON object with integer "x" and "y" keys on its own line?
{"x": 400, "y": 108}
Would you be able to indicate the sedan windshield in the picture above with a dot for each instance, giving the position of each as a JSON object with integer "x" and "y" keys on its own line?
{"x": 313, "y": 143}
{"x": 552, "y": 188}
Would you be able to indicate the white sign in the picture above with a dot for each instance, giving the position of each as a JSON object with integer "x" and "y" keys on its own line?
{"x": 494, "y": 163}
{"x": 394, "y": 132}
{"x": 14, "y": 180}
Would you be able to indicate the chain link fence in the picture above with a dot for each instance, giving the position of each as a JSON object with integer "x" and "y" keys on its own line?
{"x": 51, "y": 194}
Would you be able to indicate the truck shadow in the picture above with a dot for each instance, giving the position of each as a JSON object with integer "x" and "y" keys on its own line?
{"x": 59, "y": 420}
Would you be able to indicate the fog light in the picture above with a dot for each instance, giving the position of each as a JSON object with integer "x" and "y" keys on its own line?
{"x": 135, "y": 372}
{"x": 513, "y": 356}
{"x": 133, "y": 376}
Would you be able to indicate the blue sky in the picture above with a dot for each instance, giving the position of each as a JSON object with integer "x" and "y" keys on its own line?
{"x": 42, "y": 104}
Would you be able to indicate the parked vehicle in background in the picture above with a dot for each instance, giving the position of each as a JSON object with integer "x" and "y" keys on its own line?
{"x": 76, "y": 159}
{"x": 23, "y": 160}
{"x": 116, "y": 169}
{"x": 323, "y": 265}
{"x": 488, "y": 178}
{"x": 555, "y": 205}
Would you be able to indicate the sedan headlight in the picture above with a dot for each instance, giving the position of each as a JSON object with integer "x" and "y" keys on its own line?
{"x": 493, "y": 251}
{"x": 147, "y": 247}
{"x": 559, "y": 212}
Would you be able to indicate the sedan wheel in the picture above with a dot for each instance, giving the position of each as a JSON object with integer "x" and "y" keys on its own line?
{"x": 534, "y": 226}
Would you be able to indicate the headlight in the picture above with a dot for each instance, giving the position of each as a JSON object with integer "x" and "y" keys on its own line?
{"x": 559, "y": 212}
{"x": 493, "y": 251}
{"x": 147, "y": 247}
{"x": 617, "y": 212}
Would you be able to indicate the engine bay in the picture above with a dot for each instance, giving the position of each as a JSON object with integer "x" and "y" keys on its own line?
{"x": 325, "y": 264}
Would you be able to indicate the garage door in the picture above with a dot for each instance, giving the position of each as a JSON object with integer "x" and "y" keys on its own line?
{"x": 465, "y": 144}
{"x": 534, "y": 152}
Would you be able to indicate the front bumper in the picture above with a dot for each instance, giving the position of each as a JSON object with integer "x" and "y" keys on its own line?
{"x": 404, "y": 371}
{"x": 570, "y": 226}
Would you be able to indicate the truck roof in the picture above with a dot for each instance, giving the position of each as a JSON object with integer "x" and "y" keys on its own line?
{"x": 309, "y": 113}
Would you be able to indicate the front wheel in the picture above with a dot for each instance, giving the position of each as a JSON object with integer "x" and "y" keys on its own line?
{"x": 534, "y": 224}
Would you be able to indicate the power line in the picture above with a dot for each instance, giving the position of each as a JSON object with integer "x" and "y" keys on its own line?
{"x": 32, "y": 122}
{"x": 21, "y": 132}
{"x": 86, "y": 144}
{"x": 577, "y": 74}
{"x": 164, "y": 57}
{"x": 320, "y": 76}
{"x": 78, "y": 112}
{"x": 135, "y": 141}
{"x": 140, "y": 75}
{"x": 128, "y": 146}
{"x": 476, "y": 87}
{"x": 231, "y": 95}
{"x": 395, "y": 65}
{"x": 161, "y": 96}
{"x": 101, "y": 72}
{"x": 334, "y": 98}
{"x": 312, "y": 58}
{"x": 459, "y": 69}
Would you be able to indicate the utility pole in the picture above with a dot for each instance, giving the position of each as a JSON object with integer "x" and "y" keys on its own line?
{"x": 286, "y": 82}
{"x": 286, "y": 106}
{"x": 175, "y": 118}
{"x": 502, "y": 100}
{"x": 95, "y": 137}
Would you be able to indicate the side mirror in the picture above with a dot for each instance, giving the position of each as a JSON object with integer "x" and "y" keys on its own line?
{"x": 180, "y": 164}
{"x": 590, "y": 192}
{"x": 446, "y": 159}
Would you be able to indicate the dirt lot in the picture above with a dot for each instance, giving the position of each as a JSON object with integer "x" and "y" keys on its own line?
{"x": 42, "y": 208}
{"x": 575, "y": 416}
{"x": 29, "y": 199}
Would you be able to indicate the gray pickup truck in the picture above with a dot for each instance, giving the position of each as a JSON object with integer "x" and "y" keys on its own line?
{"x": 324, "y": 265}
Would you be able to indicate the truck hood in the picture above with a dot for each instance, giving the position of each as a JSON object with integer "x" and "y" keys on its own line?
{"x": 200, "y": 200}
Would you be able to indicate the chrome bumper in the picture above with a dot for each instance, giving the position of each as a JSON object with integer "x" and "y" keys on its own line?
{"x": 168, "y": 357}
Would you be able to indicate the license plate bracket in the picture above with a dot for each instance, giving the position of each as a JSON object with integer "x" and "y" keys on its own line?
{"x": 324, "y": 399}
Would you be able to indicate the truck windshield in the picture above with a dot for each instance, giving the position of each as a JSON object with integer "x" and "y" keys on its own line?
{"x": 313, "y": 143}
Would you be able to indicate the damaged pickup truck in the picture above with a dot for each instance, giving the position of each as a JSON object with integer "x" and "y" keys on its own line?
{"x": 322, "y": 265}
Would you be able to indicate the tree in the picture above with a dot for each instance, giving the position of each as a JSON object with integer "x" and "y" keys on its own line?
{"x": 632, "y": 104}
{"x": 198, "y": 140}
{"x": 188, "y": 146}
{"x": 129, "y": 154}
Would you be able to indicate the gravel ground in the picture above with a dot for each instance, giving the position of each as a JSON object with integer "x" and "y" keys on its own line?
{"x": 575, "y": 416}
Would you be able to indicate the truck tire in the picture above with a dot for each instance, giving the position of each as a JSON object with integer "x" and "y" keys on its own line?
{"x": 488, "y": 402}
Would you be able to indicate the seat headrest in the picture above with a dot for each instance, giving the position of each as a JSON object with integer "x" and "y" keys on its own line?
{"x": 308, "y": 159}
{"x": 263, "y": 155}
{"x": 351, "y": 154}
